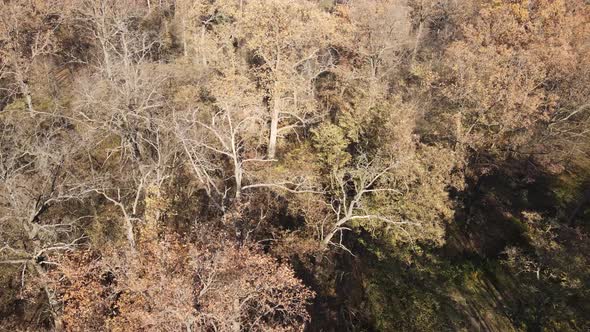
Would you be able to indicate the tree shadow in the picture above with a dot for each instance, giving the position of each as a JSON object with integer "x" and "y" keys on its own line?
{"x": 464, "y": 284}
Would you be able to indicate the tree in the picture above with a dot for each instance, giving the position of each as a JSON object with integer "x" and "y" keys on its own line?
{"x": 172, "y": 286}
{"x": 382, "y": 36}
{"x": 124, "y": 105}
{"x": 40, "y": 175}
{"x": 228, "y": 127}
{"x": 290, "y": 45}
{"x": 374, "y": 194}
{"x": 26, "y": 35}
{"x": 379, "y": 177}
{"x": 499, "y": 77}
{"x": 229, "y": 123}
{"x": 248, "y": 290}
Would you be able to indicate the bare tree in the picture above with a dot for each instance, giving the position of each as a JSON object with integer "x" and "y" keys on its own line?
{"x": 292, "y": 41}
{"x": 38, "y": 173}
{"x": 125, "y": 103}
{"x": 228, "y": 128}
{"x": 110, "y": 23}
{"x": 352, "y": 188}
{"x": 231, "y": 128}
{"x": 381, "y": 36}
{"x": 26, "y": 35}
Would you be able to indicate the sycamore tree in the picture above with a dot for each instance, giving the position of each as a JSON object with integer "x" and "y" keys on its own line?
{"x": 228, "y": 128}
{"x": 222, "y": 129}
{"x": 286, "y": 46}
{"x": 377, "y": 176}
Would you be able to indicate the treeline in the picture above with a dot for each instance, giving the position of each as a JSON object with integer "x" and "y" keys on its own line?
{"x": 206, "y": 165}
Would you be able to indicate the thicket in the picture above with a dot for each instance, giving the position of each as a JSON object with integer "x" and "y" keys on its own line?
{"x": 274, "y": 165}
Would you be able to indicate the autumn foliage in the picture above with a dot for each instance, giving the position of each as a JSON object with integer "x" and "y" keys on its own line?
{"x": 261, "y": 165}
{"x": 169, "y": 286}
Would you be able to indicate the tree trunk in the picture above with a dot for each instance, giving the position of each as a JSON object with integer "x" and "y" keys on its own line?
{"x": 129, "y": 233}
{"x": 202, "y": 42}
{"x": 103, "y": 40}
{"x": 274, "y": 124}
{"x": 417, "y": 42}
{"x": 24, "y": 85}
{"x": 238, "y": 178}
{"x": 184, "y": 43}
{"x": 29, "y": 100}
{"x": 236, "y": 326}
{"x": 328, "y": 238}
{"x": 51, "y": 298}
{"x": 154, "y": 206}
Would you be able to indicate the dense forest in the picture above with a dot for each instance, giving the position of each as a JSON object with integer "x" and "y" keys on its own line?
{"x": 294, "y": 165}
